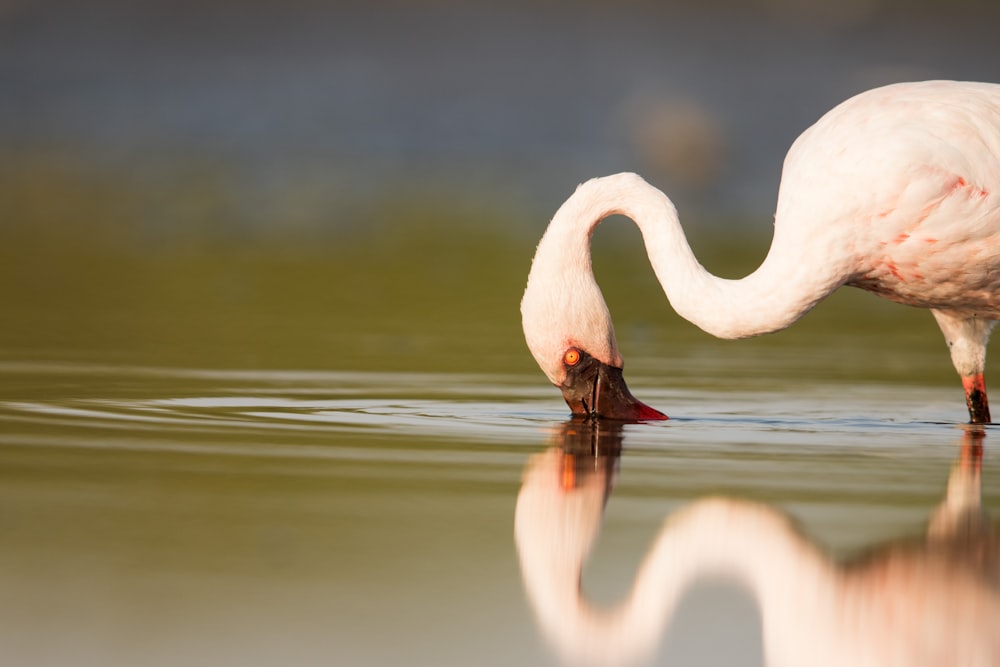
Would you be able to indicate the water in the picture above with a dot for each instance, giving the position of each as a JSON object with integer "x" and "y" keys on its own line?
{"x": 232, "y": 451}
{"x": 164, "y": 515}
{"x": 264, "y": 398}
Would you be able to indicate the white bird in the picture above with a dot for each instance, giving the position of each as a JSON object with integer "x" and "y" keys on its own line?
{"x": 895, "y": 191}
{"x": 931, "y": 601}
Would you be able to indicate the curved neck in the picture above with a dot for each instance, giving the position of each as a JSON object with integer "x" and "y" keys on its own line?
{"x": 774, "y": 296}
{"x": 791, "y": 581}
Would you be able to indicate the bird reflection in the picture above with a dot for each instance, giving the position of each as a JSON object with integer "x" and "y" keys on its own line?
{"x": 930, "y": 601}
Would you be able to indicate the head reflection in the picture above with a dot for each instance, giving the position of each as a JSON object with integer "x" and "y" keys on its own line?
{"x": 931, "y": 601}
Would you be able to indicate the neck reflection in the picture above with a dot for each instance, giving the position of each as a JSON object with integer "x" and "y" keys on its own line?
{"x": 933, "y": 601}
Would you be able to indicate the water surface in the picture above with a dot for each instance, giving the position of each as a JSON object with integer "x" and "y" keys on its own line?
{"x": 162, "y": 515}
{"x": 264, "y": 397}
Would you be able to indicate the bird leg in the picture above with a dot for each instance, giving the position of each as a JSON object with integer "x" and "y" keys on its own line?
{"x": 975, "y": 399}
{"x": 967, "y": 336}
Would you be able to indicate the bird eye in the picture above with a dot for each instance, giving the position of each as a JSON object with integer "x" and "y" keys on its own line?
{"x": 572, "y": 357}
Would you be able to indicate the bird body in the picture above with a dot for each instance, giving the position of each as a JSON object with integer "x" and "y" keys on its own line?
{"x": 895, "y": 191}
{"x": 908, "y": 178}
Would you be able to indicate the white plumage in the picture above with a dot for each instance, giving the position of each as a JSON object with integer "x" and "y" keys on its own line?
{"x": 895, "y": 191}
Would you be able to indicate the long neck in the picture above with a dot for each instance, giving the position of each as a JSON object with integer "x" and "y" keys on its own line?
{"x": 778, "y": 293}
{"x": 790, "y": 580}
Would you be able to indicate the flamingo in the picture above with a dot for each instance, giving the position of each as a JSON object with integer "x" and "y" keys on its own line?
{"x": 932, "y": 600}
{"x": 895, "y": 191}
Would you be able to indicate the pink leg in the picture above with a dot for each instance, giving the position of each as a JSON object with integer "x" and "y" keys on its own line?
{"x": 975, "y": 399}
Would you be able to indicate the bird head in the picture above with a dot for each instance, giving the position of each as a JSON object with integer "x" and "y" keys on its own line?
{"x": 568, "y": 328}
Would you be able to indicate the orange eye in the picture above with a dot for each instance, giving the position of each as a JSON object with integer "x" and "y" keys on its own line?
{"x": 572, "y": 356}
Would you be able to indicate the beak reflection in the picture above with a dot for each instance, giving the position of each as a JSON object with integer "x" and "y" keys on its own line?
{"x": 930, "y": 601}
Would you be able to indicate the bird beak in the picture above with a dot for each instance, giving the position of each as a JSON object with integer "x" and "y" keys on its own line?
{"x": 601, "y": 392}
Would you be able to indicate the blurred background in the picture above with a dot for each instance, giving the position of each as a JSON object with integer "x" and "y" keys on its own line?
{"x": 361, "y": 184}
{"x": 264, "y": 395}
